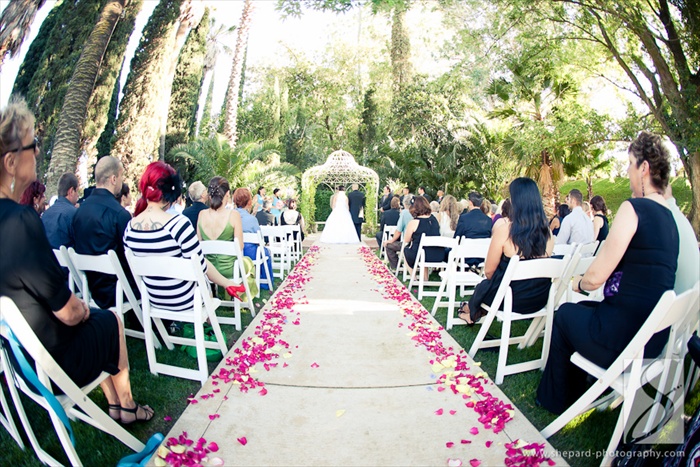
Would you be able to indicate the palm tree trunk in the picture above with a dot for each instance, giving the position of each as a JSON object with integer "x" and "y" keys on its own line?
{"x": 66, "y": 148}
{"x": 231, "y": 122}
{"x": 15, "y": 22}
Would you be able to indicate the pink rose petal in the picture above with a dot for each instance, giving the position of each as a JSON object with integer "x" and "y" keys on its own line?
{"x": 465, "y": 441}
{"x": 314, "y": 365}
{"x": 475, "y": 462}
{"x": 214, "y": 416}
{"x": 474, "y": 431}
{"x": 452, "y": 412}
{"x": 449, "y": 444}
{"x": 243, "y": 440}
{"x": 213, "y": 447}
{"x": 489, "y": 443}
{"x": 438, "y": 412}
{"x": 262, "y": 392}
{"x": 167, "y": 418}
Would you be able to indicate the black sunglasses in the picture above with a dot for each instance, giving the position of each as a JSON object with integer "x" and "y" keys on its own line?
{"x": 32, "y": 146}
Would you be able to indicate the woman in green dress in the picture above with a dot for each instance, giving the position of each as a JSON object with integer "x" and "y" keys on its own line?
{"x": 221, "y": 223}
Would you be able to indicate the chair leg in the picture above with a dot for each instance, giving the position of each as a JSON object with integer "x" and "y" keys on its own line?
{"x": 578, "y": 407}
{"x": 202, "y": 367}
{"x": 503, "y": 350}
{"x": 438, "y": 298}
{"x": 476, "y": 345}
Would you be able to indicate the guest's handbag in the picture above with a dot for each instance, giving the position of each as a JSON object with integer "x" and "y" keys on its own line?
{"x": 612, "y": 285}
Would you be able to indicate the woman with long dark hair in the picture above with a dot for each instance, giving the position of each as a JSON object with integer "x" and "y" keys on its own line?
{"x": 524, "y": 233}
{"x": 600, "y": 218}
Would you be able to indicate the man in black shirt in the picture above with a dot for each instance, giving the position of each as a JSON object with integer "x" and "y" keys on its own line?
{"x": 473, "y": 223}
{"x": 99, "y": 227}
{"x": 264, "y": 216}
{"x": 199, "y": 196}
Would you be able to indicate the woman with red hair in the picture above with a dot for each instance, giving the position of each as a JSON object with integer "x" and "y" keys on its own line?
{"x": 34, "y": 196}
{"x": 155, "y": 232}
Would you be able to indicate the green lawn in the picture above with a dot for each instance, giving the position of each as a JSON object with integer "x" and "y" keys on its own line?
{"x": 168, "y": 396}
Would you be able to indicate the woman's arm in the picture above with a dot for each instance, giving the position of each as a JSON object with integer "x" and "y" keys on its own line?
{"x": 612, "y": 251}
{"x": 237, "y": 224}
{"x": 499, "y": 236}
{"x": 410, "y": 228}
{"x": 74, "y": 312}
{"x": 597, "y": 224}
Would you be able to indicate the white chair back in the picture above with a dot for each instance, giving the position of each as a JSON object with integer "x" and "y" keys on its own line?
{"x": 561, "y": 249}
{"x": 588, "y": 249}
{"x": 74, "y": 281}
{"x": 421, "y": 264}
{"x": 260, "y": 259}
{"x": 74, "y": 399}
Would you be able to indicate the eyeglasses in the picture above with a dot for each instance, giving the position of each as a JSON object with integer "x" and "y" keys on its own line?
{"x": 33, "y": 146}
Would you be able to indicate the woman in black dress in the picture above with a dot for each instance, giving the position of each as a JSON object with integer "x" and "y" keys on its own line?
{"x": 423, "y": 223}
{"x": 524, "y": 233}
{"x": 639, "y": 259}
{"x": 83, "y": 342}
{"x": 600, "y": 218}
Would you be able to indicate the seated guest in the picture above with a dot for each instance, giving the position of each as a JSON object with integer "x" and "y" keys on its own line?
{"x": 555, "y": 224}
{"x": 99, "y": 226}
{"x": 434, "y": 207}
{"x": 156, "y": 232}
{"x": 35, "y": 196}
{"x": 423, "y": 223}
{"x": 577, "y": 226}
{"x": 525, "y": 234}
{"x": 486, "y": 208}
{"x": 473, "y": 223}
{"x": 243, "y": 200}
{"x": 688, "y": 272}
{"x": 264, "y": 216}
{"x": 199, "y": 197}
{"x": 503, "y": 210}
{"x": 647, "y": 257}
{"x": 600, "y": 218}
{"x": 83, "y": 342}
{"x": 58, "y": 219}
{"x": 293, "y": 217}
{"x": 448, "y": 216}
{"x": 124, "y": 196}
{"x": 219, "y": 223}
{"x": 393, "y": 245}
{"x": 389, "y": 217}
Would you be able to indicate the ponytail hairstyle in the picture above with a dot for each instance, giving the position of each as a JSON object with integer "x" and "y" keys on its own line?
{"x": 218, "y": 187}
{"x": 159, "y": 182}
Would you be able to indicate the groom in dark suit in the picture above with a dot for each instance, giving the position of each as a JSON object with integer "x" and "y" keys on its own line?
{"x": 356, "y": 201}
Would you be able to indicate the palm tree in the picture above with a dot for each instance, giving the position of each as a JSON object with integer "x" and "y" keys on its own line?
{"x": 234, "y": 84}
{"x": 72, "y": 117}
{"x": 15, "y": 24}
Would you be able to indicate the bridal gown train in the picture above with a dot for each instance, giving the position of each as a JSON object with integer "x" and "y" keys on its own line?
{"x": 339, "y": 227}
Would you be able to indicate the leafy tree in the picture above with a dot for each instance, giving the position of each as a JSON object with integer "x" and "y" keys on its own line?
{"x": 189, "y": 75}
{"x": 15, "y": 22}
{"x": 136, "y": 138}
{"x": 75, "y": 105}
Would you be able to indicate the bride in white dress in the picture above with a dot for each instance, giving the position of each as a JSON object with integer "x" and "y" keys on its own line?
{"x": 339, "y": 227}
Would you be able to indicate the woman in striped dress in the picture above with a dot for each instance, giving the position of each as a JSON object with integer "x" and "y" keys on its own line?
{"x": 155, "y": 232}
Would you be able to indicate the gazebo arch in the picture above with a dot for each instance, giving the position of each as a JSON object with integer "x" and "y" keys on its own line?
{"x": 340, "y": 169}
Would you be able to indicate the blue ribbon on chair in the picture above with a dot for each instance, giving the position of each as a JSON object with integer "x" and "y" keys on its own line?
{"x": 33, "y": 379}
{"x": 139, "y": 459}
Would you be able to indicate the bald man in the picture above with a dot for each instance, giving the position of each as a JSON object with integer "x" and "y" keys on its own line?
{"x": 98, "y": 226}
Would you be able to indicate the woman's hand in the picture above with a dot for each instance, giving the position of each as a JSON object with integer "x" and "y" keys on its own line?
{"x": 74, "y": 312}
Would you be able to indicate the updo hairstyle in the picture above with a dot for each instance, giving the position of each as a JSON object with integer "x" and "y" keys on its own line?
{"x": 598, "y": 204}
{"x": 159, "y": 182}
{"x": 218, "y": 187}
{"x": 15, "y": 121}
{"x": 649, "y": 147}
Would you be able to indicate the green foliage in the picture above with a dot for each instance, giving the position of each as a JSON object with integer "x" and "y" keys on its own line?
{"x": 47, "y": 86}
{"x": 189, "y": 75}
{"x": 322, "y": 202}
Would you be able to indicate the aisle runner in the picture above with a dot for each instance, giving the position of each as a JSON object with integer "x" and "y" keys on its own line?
{"x": 263, "y": 349}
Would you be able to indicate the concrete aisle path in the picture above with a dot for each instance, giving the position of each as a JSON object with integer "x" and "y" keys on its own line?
{"x": 334, "y": 371}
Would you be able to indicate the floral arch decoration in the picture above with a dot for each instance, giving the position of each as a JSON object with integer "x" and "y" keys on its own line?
{"x": 340, "y": 169}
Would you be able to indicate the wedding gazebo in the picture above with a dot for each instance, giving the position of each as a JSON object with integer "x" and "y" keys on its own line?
{"x": 340, "y": 169}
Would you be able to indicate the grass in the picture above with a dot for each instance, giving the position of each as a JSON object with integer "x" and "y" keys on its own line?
{"x": 168, "y": 396}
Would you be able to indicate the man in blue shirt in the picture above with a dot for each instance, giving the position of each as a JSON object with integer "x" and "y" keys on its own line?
{"x": 58, "y": 219}
{"x": 99, "y": 227}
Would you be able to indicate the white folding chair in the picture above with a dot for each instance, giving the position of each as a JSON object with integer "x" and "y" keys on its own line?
{"x": 457, "y": 275}
{"x": 109, "y": 264}
{"x": 74, "y": 283}
{"x": 548, "y": 268}
{"x": 401, "y": 266}
{"x": 630, "y": 370}
{"x": 260, "y": 259}
{"x": 387, "y": 233}
{"x": 562, "y": 249}
{"x": 583, "y": 264}
{"x": 588, "y": 249}
{"x": 6, "y": 416}
{"x": 231, "y": 248}
{"x": 74, "y": 401}
{"x": 422, "y": 266}
{"x": 204, "y": 307}
{"x": 279, "y": 246}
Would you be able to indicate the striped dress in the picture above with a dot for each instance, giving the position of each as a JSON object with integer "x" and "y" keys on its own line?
{"x": 175, "y": 239}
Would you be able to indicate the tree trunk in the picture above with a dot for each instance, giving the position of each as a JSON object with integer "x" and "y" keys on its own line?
{"x": 692, "y": 168}
{"x": 231, "y": 121}
{"x": 66, "y": 146}
{"x": 400, "y": 50}
{"x": 189, "y": 18}
{"x": 15, "y": 22}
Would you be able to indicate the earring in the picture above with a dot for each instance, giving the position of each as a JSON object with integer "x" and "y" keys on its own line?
{"x": 12, "y": 186}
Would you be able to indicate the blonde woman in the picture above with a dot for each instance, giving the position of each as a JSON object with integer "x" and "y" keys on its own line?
{"x": 448, "y": 215}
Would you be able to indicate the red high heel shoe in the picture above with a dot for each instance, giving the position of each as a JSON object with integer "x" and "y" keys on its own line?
{"x": 235, "y": 290}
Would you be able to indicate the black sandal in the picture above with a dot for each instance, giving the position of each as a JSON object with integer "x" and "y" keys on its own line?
{"x": 116, "y": 407}
{"x": 474, "y": 316}
{"x": 146, "y": 410}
